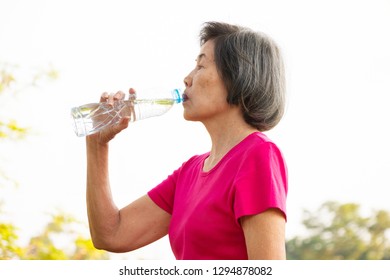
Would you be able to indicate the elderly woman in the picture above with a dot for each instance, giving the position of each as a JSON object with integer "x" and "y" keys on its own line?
{"x": 229, "y": 203}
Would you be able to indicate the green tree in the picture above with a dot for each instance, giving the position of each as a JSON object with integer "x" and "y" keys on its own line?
{"x": 8, "y": 242}
{"x": 339, "y": 232}
{"x": 11, "y": 83}
{"x": 77, "y": 247}
{"x": 44, "y": 246}
{"x": 8, "y": 128}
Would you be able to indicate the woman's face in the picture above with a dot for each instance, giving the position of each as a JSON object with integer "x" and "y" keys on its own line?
{"x": 205, "y": 91}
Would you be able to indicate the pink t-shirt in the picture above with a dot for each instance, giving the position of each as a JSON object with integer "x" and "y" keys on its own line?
{"x": 206, "y": 206}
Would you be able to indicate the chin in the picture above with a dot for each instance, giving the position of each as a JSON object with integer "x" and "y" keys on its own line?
{"x": 189, "y": 117}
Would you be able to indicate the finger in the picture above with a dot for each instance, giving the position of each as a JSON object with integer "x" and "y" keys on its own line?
{"x": 104, "y": 97}
{"x": 120, "y": 95}
{"x": 124, "y": 122}
{"x": 132, "y": 94}
{"x": 111, "y": 99}
{"x": 121, "y": 125}
{"x": 115, "y": 97}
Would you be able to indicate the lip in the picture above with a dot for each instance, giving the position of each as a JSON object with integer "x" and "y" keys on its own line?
{"x": 184, "y": 97}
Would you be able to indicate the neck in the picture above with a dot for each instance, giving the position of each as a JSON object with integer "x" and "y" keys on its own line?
{"x": 225, "y": 134}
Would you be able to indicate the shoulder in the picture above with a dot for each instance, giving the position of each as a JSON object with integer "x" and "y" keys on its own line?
{"x": 260, "y": 156}
{"x": 259, "y": 138}
{"x": 258, "y": 144}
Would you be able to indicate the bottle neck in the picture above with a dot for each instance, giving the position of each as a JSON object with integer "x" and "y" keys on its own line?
{"x": 177, "y": 95}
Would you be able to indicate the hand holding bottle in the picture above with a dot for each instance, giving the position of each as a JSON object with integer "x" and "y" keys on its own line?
{"x": 107, "y": 133}
{"x": 115, "y": 112}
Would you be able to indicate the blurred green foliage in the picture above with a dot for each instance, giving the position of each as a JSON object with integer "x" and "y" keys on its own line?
{"x": 340, "y": 232}
{"x": 45, "y": 245}
{"x": 13, "y": 81}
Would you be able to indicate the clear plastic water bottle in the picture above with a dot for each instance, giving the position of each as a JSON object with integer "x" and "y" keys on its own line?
{"x": 93, "y": 117}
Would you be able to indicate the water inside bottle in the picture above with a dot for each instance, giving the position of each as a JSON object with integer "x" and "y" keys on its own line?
{"x": 93, "y": 117}
{"x": 145, "y": 108}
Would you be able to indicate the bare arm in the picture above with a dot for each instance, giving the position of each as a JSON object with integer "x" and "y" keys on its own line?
{"x": 113, "y": 229}
{"x": 265, "y": 235}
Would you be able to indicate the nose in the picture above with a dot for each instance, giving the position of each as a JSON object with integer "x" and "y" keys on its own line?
{"x": 188, "y": 80}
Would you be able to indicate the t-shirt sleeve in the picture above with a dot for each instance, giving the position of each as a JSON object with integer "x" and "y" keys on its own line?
{"x": 164, "y": 193}
{"x": 261, "y": 182}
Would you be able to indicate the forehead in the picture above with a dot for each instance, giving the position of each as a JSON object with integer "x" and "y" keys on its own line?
{"x": 207, "y": 51}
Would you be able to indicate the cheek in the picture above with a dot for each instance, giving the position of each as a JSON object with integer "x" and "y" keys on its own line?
{"x": 206, "y": 78}
{"x": 214, "y": 80}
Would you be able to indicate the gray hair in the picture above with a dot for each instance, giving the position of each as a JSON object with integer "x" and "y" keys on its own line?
{"x": 251, "y": 67}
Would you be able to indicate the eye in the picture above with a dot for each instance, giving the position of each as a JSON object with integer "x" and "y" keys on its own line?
{"x": 199, "y": 64}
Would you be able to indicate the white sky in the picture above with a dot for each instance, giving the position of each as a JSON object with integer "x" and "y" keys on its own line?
{"x": 334, "y": 136}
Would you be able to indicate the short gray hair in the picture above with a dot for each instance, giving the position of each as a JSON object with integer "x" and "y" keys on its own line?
{"x": 251, "y": 66}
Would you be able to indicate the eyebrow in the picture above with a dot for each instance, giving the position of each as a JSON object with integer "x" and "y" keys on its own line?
{"x": 200, "y": 56}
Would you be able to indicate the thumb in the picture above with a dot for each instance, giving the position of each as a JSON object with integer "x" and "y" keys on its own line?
{"x": 123, "y": 124}
{"x": 112, "y": 131}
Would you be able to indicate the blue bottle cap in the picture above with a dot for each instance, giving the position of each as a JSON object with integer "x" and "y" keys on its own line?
{"x": 177, "y": 95}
